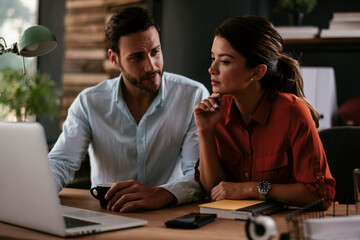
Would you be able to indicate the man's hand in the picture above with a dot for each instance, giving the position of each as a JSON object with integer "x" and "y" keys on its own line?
{"x": 131, "y": 195}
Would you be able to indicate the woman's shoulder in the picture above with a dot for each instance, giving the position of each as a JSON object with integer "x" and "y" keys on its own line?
{"x": 293, "y": 106}
{"x": 290, "y": 100}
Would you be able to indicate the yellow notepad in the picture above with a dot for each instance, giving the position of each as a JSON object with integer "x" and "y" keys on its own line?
{"x": 233, "y": 209}
{"x": 230, "y": 204}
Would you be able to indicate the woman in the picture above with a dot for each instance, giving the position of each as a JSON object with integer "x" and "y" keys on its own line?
{"x": 257, "y": 132}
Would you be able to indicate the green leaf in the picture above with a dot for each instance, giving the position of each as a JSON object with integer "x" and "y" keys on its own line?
{"x": 290, "y": 6}
{"x": 29, "y": 95}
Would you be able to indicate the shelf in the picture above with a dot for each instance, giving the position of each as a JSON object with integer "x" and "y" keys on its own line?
{"x": 322, "y": 44}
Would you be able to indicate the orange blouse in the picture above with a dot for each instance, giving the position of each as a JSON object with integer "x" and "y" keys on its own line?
{"x": 280, "y": 145}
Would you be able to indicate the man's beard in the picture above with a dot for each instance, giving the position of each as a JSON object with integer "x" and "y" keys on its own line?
{"x": 139, "y": 82}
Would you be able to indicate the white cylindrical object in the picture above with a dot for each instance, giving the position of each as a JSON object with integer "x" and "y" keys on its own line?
{"x": 262, "y": 228}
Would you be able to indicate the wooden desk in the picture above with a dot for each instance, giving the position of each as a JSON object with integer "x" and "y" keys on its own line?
{"x": 219, "y": 229}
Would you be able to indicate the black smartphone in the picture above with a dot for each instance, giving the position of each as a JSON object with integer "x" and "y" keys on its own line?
{"x": 191, "y": 220}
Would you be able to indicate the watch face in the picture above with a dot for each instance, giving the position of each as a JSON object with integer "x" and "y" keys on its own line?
{"x": 264, "y": 187}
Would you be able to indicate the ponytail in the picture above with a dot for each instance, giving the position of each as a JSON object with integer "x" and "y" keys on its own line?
{"x": 257, "y": 40}
{"x": 290, "y": 81}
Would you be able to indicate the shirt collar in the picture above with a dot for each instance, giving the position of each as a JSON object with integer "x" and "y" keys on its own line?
{"x": 118, "y": 91}
{"x": 261, "y": 113}
{"x": 118, "y": 96}
{"x": 232, "y": 112}
{"x": 161, "y": 95}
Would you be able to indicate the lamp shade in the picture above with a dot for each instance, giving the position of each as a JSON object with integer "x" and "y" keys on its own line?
{"x": 36, "y": 41}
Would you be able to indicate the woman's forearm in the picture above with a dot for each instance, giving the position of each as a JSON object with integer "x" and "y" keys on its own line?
{"x": 293, "y": 194}
{"x": 211, "y": 171}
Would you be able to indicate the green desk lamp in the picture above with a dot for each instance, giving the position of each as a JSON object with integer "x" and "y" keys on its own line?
{"x": 34, "y": 41}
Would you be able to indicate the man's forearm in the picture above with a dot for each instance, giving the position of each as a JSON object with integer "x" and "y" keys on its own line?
{"x": 185, "y": 189}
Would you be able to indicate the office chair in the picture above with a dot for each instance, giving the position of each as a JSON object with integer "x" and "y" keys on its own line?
{"x": 342, "y": 148}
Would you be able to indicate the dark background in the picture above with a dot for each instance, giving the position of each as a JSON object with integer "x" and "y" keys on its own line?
{"x": 187, "y": 32}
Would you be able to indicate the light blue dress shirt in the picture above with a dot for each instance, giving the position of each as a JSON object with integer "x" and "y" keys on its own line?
{"x": 159, "y": 151}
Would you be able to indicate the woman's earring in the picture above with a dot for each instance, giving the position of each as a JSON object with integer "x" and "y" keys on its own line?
{"x": 251, "y": 79}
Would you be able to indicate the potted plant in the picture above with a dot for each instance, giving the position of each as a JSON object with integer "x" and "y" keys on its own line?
{"x": 296, "y": 9}
{"x": 27, "y": 96}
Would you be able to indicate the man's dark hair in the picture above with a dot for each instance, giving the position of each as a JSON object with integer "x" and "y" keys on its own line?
{"x": 127, "y": 21}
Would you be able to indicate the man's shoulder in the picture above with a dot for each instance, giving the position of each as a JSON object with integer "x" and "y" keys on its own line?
{"x": 177, "y": 79}
{"x": 102, "y": 87}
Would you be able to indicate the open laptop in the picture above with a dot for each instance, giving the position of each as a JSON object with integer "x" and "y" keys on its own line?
{"x": 28, "y": 193}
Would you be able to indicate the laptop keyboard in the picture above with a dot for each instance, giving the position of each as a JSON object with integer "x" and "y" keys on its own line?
{"x": 73, "y": 222}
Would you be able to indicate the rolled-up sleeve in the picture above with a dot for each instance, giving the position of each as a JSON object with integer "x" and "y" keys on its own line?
{"x": 310, "y": 163}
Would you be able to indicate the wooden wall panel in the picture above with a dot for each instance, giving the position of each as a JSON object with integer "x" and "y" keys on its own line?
{"x": 85, "y": 59}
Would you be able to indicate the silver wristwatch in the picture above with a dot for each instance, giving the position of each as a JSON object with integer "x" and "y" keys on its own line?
{"x": 264, "y": 188}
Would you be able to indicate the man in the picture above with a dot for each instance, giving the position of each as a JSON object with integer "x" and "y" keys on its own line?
{"x": 138, "y": 128}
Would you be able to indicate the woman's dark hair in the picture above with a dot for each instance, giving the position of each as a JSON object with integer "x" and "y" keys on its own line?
{"x": 256, "y": 39}
{"x": 127, "y": 21}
